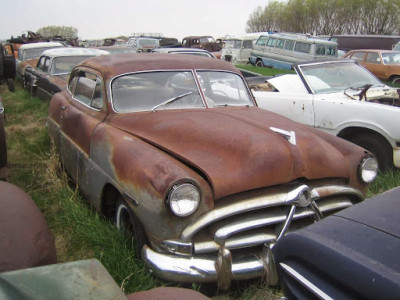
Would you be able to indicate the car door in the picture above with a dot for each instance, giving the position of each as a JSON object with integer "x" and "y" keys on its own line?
{"x": 9, "y": 62}
{"x": 83, "y": 111}
{"x": 43, "y": 83}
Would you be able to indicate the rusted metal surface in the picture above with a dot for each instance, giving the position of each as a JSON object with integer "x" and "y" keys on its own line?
{"x": 246, "y": 163}
{"x": 25, "y": 239}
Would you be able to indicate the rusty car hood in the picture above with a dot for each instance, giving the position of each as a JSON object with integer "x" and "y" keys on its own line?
{"x": 235, "y": 149}
{"x": 60, "y": 80}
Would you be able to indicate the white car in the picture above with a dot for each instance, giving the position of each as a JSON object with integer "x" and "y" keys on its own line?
{"x": 342, "y": 98}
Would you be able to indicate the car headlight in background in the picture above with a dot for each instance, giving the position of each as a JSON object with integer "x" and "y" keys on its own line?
{"x": 183, "y": 199}
{"x": 368, "y": 169}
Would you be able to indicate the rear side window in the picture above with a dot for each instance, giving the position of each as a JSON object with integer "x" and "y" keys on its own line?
{"x": 372, "y": 58}
{"x": 87, "y": 89}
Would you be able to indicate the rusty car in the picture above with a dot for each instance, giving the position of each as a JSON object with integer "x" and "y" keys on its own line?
{"x": 52, "y": 70}
{"x": 175, "y": 149}
{"x": 28, "y": 55}
{"x": 384, "y": 64}
{"x": 342, "y": 98}
{"x": 202, "y": 42}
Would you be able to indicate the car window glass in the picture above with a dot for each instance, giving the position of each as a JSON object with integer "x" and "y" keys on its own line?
{"x": 247, "y": 44}
{"x": 358, "y": 56}
{"x": 262, "y": 40}
{"x": 320, "y": 50}
{"x": 302, "y": 47}
{"x": 97, "y": 100}
{"x": 271, "y": 42}
{"x": 72, "y": 83}
{"x": 372, "y": 58}
{"x": 331, "y": 50}
{"x": 289, "y": 45}
{"x": 40, "y": 64}
{"x": 144, "y": 91}
{"x": 280, "y": 43}
{"x": 84, "y": 89}
{"x": 46, "y": 64}
{"x": 224, "y": 89}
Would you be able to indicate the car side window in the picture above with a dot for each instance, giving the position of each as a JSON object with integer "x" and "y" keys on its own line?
{"x": 87, "y": 89}
{"x": 40, "y": 64}
{"x": 46, "y": 66}
{"x": 372, "y": 58}
{"x": 358, "y": 56}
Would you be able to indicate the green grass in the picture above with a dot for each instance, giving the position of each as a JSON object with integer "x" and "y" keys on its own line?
{"x": 264, "y": 71}
{"x": 80, "y": 232}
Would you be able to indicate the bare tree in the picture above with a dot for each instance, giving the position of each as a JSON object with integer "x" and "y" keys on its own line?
{"x": 64, "y": 31}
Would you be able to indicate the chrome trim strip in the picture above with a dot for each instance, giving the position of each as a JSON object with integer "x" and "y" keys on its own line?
{"x": 305, "y": 282}
{"x": 258, "y": 201}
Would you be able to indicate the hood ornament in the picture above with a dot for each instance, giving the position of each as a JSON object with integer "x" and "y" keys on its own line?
{"x": 290, "y": 136}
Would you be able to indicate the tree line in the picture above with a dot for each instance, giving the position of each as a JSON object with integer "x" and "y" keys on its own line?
{"x": 327, "y": 17}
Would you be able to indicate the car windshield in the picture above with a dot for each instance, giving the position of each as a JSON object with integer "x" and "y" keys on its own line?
{"x": 391, "y": 58}
{"x": 163, "y": 90}
{"x": 233, "y": 44}
{"x": 64, "y": 65}
{"x": 336, "y": 76}
{"x": 207, "y": 39}
{"x": 148, "y": 42}
{"x": 34, "y": 52}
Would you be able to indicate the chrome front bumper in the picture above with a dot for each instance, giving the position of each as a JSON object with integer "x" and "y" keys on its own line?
{"x": 220, "y": 269}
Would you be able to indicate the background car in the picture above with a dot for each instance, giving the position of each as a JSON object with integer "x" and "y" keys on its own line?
{"x": 143, "y": 44}
{"x": 175, "y": 148}
{"x": 342, "y": 98}
{"x": 352, "y": 254}
{"x": 52, "y": 70}
{"x": 183, "y": 50}
{"x": 28, "y": 55}
{"x": 384, "y": 64}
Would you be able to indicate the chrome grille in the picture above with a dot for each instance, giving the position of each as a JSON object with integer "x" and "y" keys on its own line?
{"x": 255, "y": 218}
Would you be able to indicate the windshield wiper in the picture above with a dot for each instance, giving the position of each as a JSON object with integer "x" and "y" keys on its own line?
{"x": 235, "y": 105}
{"x": 170, "y": 100}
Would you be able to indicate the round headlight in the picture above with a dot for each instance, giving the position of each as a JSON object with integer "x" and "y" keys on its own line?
{"x": 184, "y": 199}
{"x": 368, "y": 169}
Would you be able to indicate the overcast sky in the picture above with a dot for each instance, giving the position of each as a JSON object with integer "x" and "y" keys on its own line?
{"x": 98, "y": 19}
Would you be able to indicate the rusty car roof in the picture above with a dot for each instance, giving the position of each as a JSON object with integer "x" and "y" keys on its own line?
{"x": 117, "y": 64}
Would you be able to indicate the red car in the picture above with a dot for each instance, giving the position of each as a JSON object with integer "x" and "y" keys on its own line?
{"x": 176, "y": 149}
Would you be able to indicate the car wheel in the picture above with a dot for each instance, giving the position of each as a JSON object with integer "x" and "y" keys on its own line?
{"x": 396, "y": 80}
{"x": 377, "y": 146}
{"x": 10, "y": 84}
{"x": 127, "y": 222}
{"x": 259, "y": 63}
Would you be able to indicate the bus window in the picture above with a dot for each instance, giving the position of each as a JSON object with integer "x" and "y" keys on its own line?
{"x": 289, "y": 45}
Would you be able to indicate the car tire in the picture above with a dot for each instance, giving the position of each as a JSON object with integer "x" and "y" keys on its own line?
{"x": 378, "y": 146}
{"x": 10, "y": 84}
{"x": 259, "y": 63}
{"x": 396, "y": 80}
{"x": 125, "y": 220}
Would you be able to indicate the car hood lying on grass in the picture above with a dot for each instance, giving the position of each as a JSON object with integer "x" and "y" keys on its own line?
{"x": 245, "y": 148}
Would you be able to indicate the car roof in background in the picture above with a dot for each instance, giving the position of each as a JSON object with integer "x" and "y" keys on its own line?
{"x": 40, "y": 45}
{"x": 71, "y": 51}
{"x": 114, "y": 65}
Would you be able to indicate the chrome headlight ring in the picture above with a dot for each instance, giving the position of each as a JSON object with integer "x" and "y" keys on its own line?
{"x": 368, "y": 169}
{"x": 183, "y": 199}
